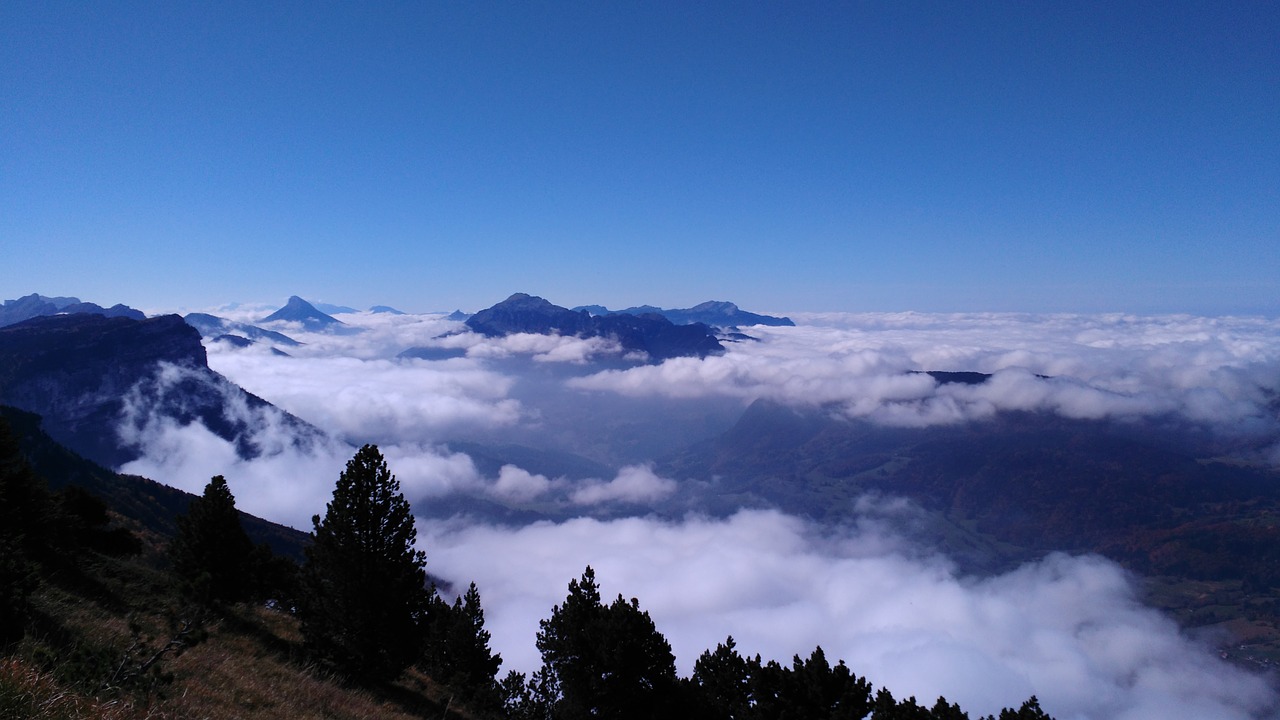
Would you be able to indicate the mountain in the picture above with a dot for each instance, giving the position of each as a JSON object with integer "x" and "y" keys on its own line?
{"x": 153, "y": 506}
{"x": 384, "y": 309}
{"x": 653, "y": 335}
{"x": 298, "y": 310}
{"x": 714, "y": 313}
{"x": 332, "y": 309}
{"x": 99, "y": 381}
{"x": 213, "y": 327}
{"x": 1146, "y": 494}
{"x": 34, "y": 305}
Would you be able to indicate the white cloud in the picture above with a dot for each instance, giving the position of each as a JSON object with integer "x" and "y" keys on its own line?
{"x": 519, "y": 485}
{"x": 1221, "y": 371}
{"x": 634, "y": 484}
{"x": 376, "y": 400}
{"x": 1067, "y": 629}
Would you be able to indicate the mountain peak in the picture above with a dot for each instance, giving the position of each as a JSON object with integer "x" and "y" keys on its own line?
{"x": 300, "y": 311}
{"x": 655, "y": 336}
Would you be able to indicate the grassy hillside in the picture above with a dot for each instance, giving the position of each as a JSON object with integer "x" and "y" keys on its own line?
{"x": 245, "y": 661}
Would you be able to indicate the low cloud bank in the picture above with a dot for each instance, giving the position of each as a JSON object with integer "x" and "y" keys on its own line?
{"x": 1067, "y": 629}
{"x": 1216, "y": 371}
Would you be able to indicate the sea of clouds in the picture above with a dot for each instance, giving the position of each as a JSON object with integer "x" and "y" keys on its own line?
{"x": 1067, "y": 629}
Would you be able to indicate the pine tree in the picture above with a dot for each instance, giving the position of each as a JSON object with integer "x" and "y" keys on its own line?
{"x": 723, "y": 683}
{"x": 458, "y": 653}
{"x": 365, "y": 599}
{"x": 605, "y": 660}
{"x": 211, "y": 551}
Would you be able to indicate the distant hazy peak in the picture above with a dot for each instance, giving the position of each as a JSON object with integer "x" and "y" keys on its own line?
{"x": 300, "y": 311}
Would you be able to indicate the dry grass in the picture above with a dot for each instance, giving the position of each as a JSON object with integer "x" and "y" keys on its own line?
{"x": 255, "y": 670}
{"x": 251, "y": 665}
{"x": 29, "y": 694}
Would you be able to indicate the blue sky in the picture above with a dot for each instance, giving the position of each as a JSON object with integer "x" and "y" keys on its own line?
{"x": 939, "y": 156}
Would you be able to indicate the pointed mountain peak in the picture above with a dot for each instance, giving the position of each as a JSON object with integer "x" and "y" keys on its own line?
{"x": 301, "y": 311}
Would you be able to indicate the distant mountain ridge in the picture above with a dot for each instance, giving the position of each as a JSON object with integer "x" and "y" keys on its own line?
{"x": 715, "y": 313}
{"x": 213, "y": 327}
{"x": 36, "y": 305}
{"x": 654, "y": 335}
{"x": 1138, "y": 493}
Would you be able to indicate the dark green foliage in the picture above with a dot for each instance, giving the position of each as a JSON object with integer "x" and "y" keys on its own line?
{"x": 527, "y": 700}
{"x": 84, "y": 522}
{"x": 1030, "y": 710}
{"x": 944, "y": 711}
{"x": 26, "y": 506}
{"x": 724, "y": 683}
{"x": 364, "y": 600}
{"x": 728, "y": 686}
{"x": 605, "y": 660}
{"x": 815, "y": 689}
{"x": 211, "y": 551}
{"x": 25, "y": 512}
{"x": 458, "y": 653}
{"x": 886, "y": 708}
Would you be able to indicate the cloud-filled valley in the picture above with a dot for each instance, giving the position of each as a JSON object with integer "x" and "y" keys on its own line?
{"x": 1070, "y": 629}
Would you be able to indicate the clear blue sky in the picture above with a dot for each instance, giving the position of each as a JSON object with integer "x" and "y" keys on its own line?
{"x": 937, "y": 156}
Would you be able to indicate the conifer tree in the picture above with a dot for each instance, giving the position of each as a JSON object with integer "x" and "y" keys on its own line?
{"x": 365, "y": 599}
{"x": 458, "y": 653}
{"x": 605, "y": 660}
{"x": 723, "y": 682}
{"x": 211, "y": 551}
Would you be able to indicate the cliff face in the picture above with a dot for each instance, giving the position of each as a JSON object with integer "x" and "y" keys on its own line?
{"x": 88, "y": 375}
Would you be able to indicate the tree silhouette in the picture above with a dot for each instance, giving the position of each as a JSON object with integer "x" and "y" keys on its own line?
{"x": 458, "y": 653}
{"x": 211, "y": 551}
{"x": 365, "y": 600}
{"x": 605, "y": 661}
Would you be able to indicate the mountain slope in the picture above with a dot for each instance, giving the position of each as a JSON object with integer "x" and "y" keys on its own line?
{"x": 1136, "y": 493}
{"x": 154, "y": 506}
{"x": 100, "y": 383}
{"x": 212, "y": 326}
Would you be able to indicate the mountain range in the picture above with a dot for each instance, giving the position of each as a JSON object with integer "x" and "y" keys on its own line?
{"x": 214, "y": 328}
{"x": 653, "y": 335}
{"x": 713, "y": 313}
{"x": 35, "y": 305}
{"x": 1153, "y": 494}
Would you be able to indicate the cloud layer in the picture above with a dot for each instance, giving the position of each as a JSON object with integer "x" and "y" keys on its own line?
{"x": 1067, "y": 629}
{"x": 1220, "y": 372}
